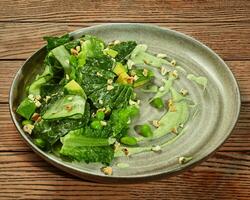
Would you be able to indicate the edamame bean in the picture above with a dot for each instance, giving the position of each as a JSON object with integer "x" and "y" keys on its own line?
{"x": 144, "y": 130}
{"x": 128, "y": 140}
{"x": 96, "y": 125}
{"x": 157, "y": 103}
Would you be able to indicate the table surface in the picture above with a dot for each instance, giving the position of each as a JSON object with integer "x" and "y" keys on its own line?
{"x": 223, "y": 25}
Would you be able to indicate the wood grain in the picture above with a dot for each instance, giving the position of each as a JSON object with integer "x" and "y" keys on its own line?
{"x": 24, "y": 173}
{"x": 223, "y": 38}
{"x": 125, "y": 11}
{"x": 240, "y": 69}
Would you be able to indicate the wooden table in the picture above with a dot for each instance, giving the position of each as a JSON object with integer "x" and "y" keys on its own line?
{"x": 223, "y": 25}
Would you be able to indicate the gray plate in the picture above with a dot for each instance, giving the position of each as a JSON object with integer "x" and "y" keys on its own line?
{"x": 218, "y": 107}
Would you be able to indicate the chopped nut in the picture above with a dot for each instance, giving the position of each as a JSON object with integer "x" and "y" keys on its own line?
{"x": 78, "y": 48}
{"x": 107, "y": 170}
{"x": 28, "y": 128}
{"x": 173, "y": 62}
{"x": 103, "y": 123}
{"x": 67, "y": 77}
{"x": 161, "y": 89}
{"x": 164, "y": 71}
{"x": 68, "y": 107}
{"x": 110, "y": 87}
{"x": 156, "y": 148}
{"x": 99, "y": 74}
{"x": 116, "y": 42}
{"x": 156, "y": 123}
{"x": 183, "y": 160}
{"x": 132, "y": 73}
{"x": 117, "y": 146}
{"x": 126, "y": 152}
{"x": 174, "y": 130}
{"x": 184, "y": 92}
{"x": 37, "y": 103}
{"x": 100, "y": 101}
{"x": 171, "y": 106}
{"x": 175, "y": 74}
{"x": 130, "y": 79}
{"x": 110, "y": 81}
{"x": 131, "y": 102}
{"x": 31, "y": 97}
{"x": 35, "y": 117}
{"x": 74, "y": 52}
{"x": 38, "y": 97}
{"x": 161, "y": 55}
{"x": 136, "y": 77}
{"x": 145, "y": 72}
{"x": 47, "y": 98}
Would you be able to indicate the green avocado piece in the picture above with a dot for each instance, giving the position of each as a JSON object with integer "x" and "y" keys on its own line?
{"x": 73, "y": 87}
{"x": 119, "y": 69}
{"x": 26, "y": 108}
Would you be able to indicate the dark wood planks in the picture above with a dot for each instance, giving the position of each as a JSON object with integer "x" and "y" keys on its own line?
{"x": 223, "y": 38}
{"x": 223, "y": 176}
{"x": 125, "y": 11}
{"x": 8, "y": 69}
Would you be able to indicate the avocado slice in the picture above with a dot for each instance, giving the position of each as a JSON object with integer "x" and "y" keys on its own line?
{"x": 73, "y": 87}
{"x": 123, "y": 78}
{"x": 26, "y": 109}
{"x": 119, "y": 69}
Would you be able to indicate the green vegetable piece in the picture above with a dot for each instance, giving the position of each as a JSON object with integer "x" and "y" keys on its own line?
{"x": 26, "y": 109}
{"x": 119, "y": 69}
{"x": 73, "y": 87}
{"x": 201, "y": 80}
{"x": 25, "y": 122}
{"x": 144, "y": 130}
{"x": 124, "y": 49}
{"x": 144, "y": 76}
{"x": 54, "y": 42}
{"x": 100, "y": 115}
{"x": 63, "y": 57}
{"x": 128, "y": 140}
{"x": 110, "y": 52}
{"x": 67, "y": 106}
{"x": 40, "y": 143}
{"x": 157, "y": 103}
{"x": 96, "y": 125}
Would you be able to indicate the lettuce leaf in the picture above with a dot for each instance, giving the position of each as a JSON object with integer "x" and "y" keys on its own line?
{"x": 53, "y": 42}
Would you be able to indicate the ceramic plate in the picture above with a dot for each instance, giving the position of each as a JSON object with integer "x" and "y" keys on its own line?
{"x": 218, "y": 106}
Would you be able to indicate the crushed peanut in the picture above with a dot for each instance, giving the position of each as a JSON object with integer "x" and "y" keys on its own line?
{"x": 184, "y": 92}
{"x": 74, "y": 52}
{"x": 164, "y": 71}
{"x": 100, "y": 101}
{"x": 35, "y": 116}
{"x": 173, "y": 62}
{"x": 47, "y": 98}
{"x": 130, "y": 79}
{"x": 28, "y": 128}
{"x": 183, "y": 160}
{"x": 156, "y": 148}
{"x": 38, "y": 97}
{"x": 145, "y": 72}
{"x": 175, "y": 74}
{"x": 110, "y": 81}
{"x": 116, "y": 42}
{"x": 67, "y": 77}
{"x": 174, "y": 130}
{"x": 110, "y": 87}
{"x": 161, "y": 55}
{"x": 107, "y": 170}
{"x": 117, "y": 146}
{"x": 161, "y": 89}
{"x": 37, "y": 103}
{"x": 171, "y": 106}
{"x": 126, "y": 152}
{"x": 99, "y": 74}
{"x": 31, "y": 97}
{"x": 156, "y": 123}
{"x": 136, "y": 77}
{"x": 78, "y": 48}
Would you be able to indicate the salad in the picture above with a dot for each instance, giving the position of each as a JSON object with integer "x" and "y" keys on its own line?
{"x": 96, "y": 101}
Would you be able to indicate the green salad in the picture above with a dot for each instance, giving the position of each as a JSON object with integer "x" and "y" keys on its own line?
{"x": 87, "y": 104}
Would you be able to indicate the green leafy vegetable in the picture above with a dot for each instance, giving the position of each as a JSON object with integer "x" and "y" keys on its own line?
{"x": 54, "y": 42}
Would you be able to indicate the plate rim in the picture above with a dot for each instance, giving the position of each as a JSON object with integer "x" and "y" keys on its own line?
{"x": 134, "y": 178}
